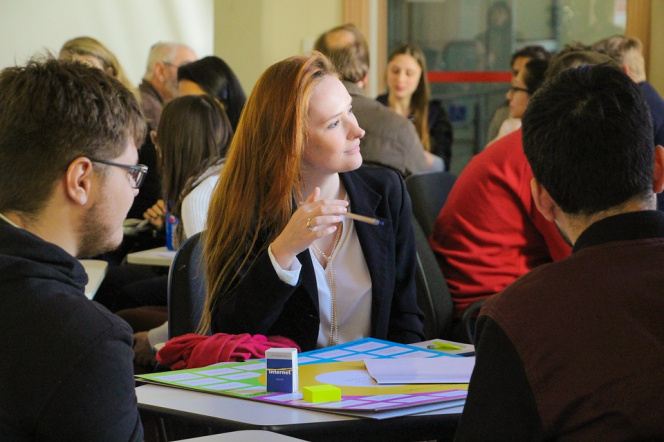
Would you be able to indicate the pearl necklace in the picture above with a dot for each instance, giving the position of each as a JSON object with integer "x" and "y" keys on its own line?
{"x": 334, "y": 320}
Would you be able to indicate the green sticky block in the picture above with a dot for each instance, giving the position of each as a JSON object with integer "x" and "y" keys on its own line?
{"x": 322, "y": 393}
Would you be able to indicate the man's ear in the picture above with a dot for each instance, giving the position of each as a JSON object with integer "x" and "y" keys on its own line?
{"x": 78, "y": 180}
{"x": 159, "y": 72}
{"x": 543, "y": 200}
{"x": 658, "y": 170}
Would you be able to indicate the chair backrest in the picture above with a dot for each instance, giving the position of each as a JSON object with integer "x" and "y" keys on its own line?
{"x": 428, "y": 192}
{"x": 433, "y": 296}
{"x": 186, "y": 288}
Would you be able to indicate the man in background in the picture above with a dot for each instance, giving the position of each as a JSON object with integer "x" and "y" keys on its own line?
{"x": 574, "y": 349}
{"x": 160, "y": 81}
{"x": 628, "y": 52}
{"x": 501, "y": 116}
{"x": 390, "y": 139}
{"x": 68, "y": 175}
{"x": 159, "y": 85}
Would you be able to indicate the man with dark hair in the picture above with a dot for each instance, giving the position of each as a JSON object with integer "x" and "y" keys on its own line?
{"x": 574, "y": 350}
{"x": 68, "y": 175}
{"x": 390, "y": 139}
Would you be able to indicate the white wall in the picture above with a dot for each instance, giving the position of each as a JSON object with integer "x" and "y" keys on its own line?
{"x": 251, "y": 35}
{"x": 126, "y": 27}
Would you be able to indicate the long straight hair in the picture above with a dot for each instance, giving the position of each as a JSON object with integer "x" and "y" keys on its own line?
{"x": 254, "y": 198}
{"x": 419, "y": 102}
{"x": 193, "y": 134}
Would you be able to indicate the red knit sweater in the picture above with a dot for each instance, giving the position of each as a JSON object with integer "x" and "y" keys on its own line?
{"x": 489, "y": 232}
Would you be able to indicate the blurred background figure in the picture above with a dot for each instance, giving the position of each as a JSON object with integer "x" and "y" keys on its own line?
{"x": 192, "y": 139}
{"x": 409, "y": 95}
{"x": 628, "y": 53}
{"x": 489, "y": 233}
{"x": 211, "y": 75}
{"x": 519, "y": 59}
{"x": 92, "y": 52}
{"x": 526, "y": 82}
{"x": 497, "y": 39}
{"x": 159, "y": 85}
{"x": 207, "y": 76}
{"x": 160, "y": 81}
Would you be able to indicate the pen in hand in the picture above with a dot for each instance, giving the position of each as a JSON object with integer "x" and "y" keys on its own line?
{"x": 362, "y": 218}
{"x": 142, "y": 224}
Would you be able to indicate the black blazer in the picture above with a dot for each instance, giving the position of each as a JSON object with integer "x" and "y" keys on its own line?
{"x": 262, "y": 303}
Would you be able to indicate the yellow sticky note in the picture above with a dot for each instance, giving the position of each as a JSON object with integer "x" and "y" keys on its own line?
{"x": 321, "y": 393}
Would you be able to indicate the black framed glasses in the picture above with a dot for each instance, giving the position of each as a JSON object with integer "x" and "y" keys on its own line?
{"x": 522, "y": 89}
{"x": 136, "y": 172}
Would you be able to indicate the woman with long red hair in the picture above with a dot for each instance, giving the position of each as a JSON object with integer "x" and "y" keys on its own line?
{"x": 281, "y": 257}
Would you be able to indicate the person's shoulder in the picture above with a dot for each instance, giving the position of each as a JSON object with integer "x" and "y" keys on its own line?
{"x": 93, "y": 319}
{"x": 536, "y": 290}
{"x": 655, "y": 100}
{"x": 380, "y": 178}
{"x": 436, "y": 104}
{"x": 382, "y": 99}
{"x": 367, "y": 106}
{"x": 377, "y": 173}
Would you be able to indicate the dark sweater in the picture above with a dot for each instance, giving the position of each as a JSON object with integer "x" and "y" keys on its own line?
{"x": 574, "y": 350}
{"x": 66, "y": 368}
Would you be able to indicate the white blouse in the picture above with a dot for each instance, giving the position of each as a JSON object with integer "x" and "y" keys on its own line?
{"x": 352, "y": 286}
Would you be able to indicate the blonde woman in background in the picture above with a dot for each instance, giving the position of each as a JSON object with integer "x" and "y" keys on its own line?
{"x": 409, "y": 95}
{"x": 92, "y": 52}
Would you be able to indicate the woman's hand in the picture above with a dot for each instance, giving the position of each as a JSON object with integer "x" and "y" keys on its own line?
{"x": 156, "y": 214}
{"x": 312, "y": 220}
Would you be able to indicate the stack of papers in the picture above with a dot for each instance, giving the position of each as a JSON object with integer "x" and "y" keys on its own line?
{"x": 421, "y": 371}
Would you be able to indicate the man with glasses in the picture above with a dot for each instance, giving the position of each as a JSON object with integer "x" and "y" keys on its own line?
{"x": 68, "y": 175}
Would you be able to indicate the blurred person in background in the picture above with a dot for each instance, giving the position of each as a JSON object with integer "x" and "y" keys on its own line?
{"x": 211, "y": 75}
{"x": 92, "y": 52}
{"x": 158, "y": 86}
{"x": 409, "y": 95}
{"x": 501, "y": 116}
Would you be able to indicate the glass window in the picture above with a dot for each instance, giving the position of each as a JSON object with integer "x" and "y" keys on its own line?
{"x": 469, "y": 43}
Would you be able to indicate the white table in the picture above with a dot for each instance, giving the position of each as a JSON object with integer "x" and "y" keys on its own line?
{"x": 244, "y": 436}
{"x": 159, "y": 256}
{"x": 96, "y": 270}
{"x": 232, "y": 414}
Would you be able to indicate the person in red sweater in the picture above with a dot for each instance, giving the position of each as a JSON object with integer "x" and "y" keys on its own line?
{"x": 489, "y": 232}
{"x": 573, "y": 351}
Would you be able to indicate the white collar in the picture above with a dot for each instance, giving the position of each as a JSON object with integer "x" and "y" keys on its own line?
{"x": 3, "y": 217}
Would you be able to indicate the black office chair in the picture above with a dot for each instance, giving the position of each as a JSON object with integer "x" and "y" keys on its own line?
{"x": 428, "y": 192}
{"x": 433, "y": 296}
{"x": 186, "y": 288}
